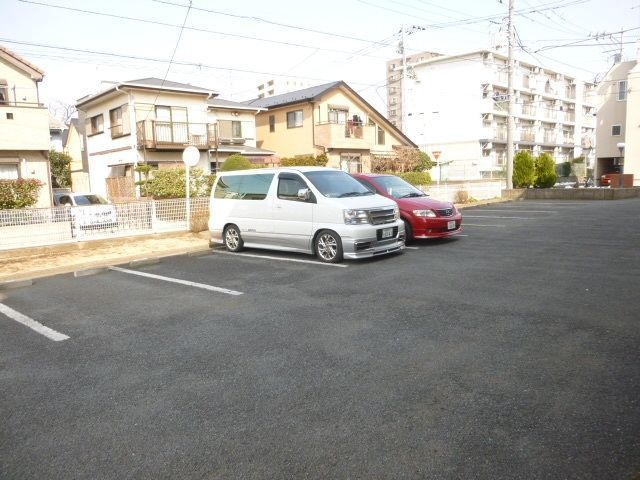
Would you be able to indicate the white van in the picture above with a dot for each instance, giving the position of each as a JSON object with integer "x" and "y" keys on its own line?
{"x": 314, "y": 210}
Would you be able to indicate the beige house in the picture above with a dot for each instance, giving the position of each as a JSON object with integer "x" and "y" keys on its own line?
{"x": 151, "y": 121}
{"x": 618, "y": 117}
{"x": 331, "y": 119}
{"x": 24, "y": 124}
{"x": 74, "y": 146}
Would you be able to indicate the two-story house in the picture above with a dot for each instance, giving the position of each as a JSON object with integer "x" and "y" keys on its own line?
{"x": 618, "y": 117}
{"x": 24, "y": 124}
{"x": 331, "y": 119}
{"x": 151, "y": 121}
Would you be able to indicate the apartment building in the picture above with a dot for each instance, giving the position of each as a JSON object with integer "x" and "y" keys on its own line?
{"x": 457, "y": 107}
{"x": 618, "y": 134}
{"x": 330, "y": 119}
{"x": 397, "y": 78}
{"x": 24, "y": 124}
{"x": 151, "y": 121}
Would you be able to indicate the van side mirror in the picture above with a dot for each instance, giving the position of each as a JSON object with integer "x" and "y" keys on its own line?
{"x": 304, "y": 194}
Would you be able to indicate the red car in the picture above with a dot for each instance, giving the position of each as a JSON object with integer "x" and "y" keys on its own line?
{"x": 423, "y": 217}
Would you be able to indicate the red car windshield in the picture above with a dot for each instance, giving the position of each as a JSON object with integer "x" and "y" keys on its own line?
{"x": 397, "y": 187}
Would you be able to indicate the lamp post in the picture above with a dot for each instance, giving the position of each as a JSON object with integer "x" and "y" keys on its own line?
{"x": 621, "y": 162}
{"x": 190, "y": 157}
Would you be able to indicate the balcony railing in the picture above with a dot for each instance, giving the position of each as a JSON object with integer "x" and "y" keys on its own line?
{"x": 527, "y": 136}
{"x": 549, "y": 113}
{"x": 345, "y": 135}
{"x": 550, "y": 136}
{"x": 173, "y": 135}
{"x": 529, "y": 110}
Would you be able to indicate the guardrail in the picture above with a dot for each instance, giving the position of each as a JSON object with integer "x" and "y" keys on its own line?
{"x": 33, "y": 227}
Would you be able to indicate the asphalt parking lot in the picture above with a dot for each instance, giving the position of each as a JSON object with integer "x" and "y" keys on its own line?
{"x": 510, "y": 351}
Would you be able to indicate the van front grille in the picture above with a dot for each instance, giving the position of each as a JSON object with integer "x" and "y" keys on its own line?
{"x": 382, "y": 216}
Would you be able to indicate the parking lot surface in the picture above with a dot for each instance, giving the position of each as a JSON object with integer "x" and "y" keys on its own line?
{"x": 510, "y": 351}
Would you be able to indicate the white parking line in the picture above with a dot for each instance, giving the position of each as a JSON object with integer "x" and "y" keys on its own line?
{"x": 32, "y": 324}
{"x": 177, "y": 280}
{"x": 515, "y": 210}
{"x": 497, "y": 216}
{"x": 481, "y": 225}
{"x": 295, "y": 260}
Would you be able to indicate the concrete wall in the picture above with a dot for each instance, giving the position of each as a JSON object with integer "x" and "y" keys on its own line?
{"x": 571, "y": 193}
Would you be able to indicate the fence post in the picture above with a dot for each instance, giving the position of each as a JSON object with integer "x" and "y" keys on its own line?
{"x": 153, "y": 216}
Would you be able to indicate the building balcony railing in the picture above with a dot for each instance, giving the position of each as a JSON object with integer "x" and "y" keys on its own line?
{"x": 549, "y": 113}
{"x": 568, "y": 140}
{"x": 529, "y": 110}
{"x": 550, "y": 137}
{"x": 527, "y": 136}
{"x": 157, "y": 134}
{"x": 345, "y": 135}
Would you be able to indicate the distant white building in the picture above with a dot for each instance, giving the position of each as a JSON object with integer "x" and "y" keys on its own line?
{"x": 456, "y": 106}
{"x": 280, "y": 86}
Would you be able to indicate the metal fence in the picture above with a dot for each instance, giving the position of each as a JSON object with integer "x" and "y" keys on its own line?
{"x": 47, "y": 226}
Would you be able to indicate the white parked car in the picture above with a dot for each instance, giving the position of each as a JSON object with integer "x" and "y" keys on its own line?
{"x": 86, "y": 211}
{"x": 316, "y": 210}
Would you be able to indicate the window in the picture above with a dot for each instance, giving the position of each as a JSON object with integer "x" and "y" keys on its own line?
{"x": 338, "y": 115}
{"x": 288, "y": 186}
{"x": 4, "y": 91}
{"x": 9, "y": 116}
{"x": 272, "y": 123}
{"x": 95, "y": 125}
{"x": 119, "y": 118}
{"x": 243, "y": 187}
{"x": 9, "y": 171}
{"x": 236, "y": 129}
{"x": 294, "y": 119}
{"x": 351, "y": 162}
{"x": 380, "y": 136}
{"x": 616, "y": 130}
{"x": 622, "y": 90}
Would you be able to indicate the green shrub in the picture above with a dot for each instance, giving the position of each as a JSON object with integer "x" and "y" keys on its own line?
{"x": 60, "y": 169}
{"x": 236, "y": 162}
{"x": 170, "y": 183}
{"x": 305, "y": 161}
{"x": 21, "y": 193}
{"x": 423, "y": 162}
{"x": 415, "y": 178}
{"x": 523, "y": 169}
{"x": 545, "y": 168}
{"x": 563, "y": 169}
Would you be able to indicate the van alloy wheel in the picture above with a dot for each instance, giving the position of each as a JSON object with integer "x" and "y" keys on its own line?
{"x": 232, "y": 239}
{"x": 329, "y": 246}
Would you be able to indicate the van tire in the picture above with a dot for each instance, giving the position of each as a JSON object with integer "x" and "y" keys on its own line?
{"x": 408, "y": 232}
{"x": 328, "y": 246}
{"x": 232, "y": 238}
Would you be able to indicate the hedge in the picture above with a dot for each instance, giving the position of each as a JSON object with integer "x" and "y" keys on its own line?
{"x": 305, "y": 161}
{"x": 21, "y": 193}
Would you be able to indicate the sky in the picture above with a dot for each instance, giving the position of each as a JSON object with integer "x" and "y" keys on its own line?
{"x": 231, "y": 47}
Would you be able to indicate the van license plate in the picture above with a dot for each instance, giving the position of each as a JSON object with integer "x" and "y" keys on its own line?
{"x": 451, "y": 225}
{"x": 387, "y": 232}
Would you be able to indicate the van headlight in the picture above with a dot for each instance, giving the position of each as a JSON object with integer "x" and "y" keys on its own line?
{"x": 424, "y": 213}
{"x": 355, "y": 217}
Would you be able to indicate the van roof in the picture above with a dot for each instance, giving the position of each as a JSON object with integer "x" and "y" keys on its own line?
{"x": 257, "y": 171}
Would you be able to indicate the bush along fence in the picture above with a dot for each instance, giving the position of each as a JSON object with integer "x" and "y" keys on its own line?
{"x": 32, "y": 227}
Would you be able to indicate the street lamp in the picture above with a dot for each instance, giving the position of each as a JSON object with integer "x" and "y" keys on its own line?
{"x": 621, "y": 162}
{"x": 190, "y": 157}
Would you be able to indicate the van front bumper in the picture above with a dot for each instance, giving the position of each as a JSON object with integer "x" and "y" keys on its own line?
{"x": 363, "y": 243}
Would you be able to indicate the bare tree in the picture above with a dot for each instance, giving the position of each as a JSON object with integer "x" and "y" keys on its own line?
{"x": 62, "y": 110}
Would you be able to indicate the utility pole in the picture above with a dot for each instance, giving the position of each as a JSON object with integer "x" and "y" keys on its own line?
{"x": 403, "y": 78}
{"x": 511, "y": 95}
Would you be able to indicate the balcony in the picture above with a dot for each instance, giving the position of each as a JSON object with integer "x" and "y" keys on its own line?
{"x": 342, "y": 135}
{"x": 159, "y": 135}
{"x": 550, "y": 136}
{"x": 527, "y": 136}
{"x": 549, "y": 113}
{"x": 529, "y": 110}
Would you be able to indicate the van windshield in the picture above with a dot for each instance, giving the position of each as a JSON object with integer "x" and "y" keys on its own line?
{"x": 337, "y": 184}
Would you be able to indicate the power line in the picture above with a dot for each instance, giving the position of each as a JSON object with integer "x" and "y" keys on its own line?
{"x": 196, "y": 29}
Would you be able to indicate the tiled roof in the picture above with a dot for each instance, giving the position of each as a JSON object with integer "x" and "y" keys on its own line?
{"x": 305, "y": 94}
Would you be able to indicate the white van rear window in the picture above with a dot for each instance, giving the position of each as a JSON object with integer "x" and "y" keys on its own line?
{"x": 243, "y": 187}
